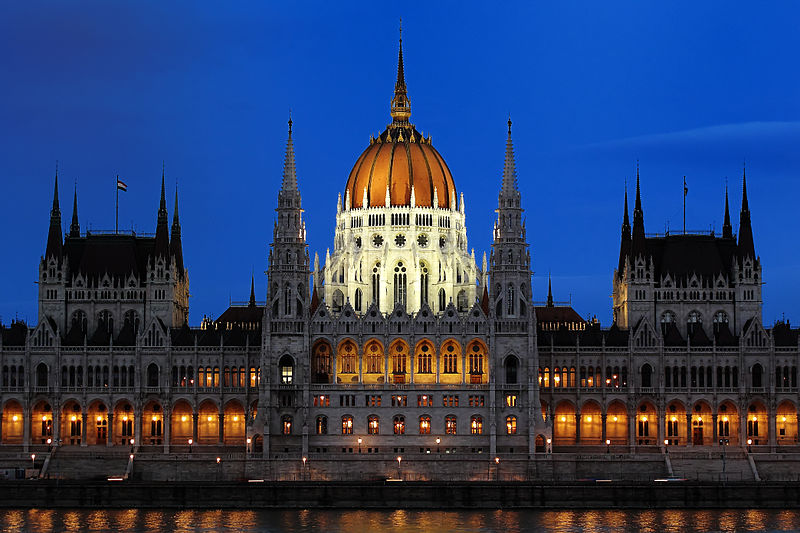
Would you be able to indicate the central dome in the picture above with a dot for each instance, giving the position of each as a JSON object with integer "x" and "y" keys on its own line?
{"x": 400, "y": 161}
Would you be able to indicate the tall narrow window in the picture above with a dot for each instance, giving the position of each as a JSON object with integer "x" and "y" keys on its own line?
{"x": 400, "y": 287}
{"x": 423, "y": 284}
{"x": 376, "y": 284}
{"x": 442, "y": 300}
{"x": 358, "y": 299}
{"x": 510, "y": 300}
{"x": 287, "y": 301}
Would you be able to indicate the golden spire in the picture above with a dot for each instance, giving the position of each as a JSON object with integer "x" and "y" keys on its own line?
{"x": 401, "y": 106}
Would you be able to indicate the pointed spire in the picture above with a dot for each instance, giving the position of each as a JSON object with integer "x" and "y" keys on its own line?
{"x": 509, "y": 184}
{"x": 746, "y": 243}
{"x": 625, "y": 241}
{"x": 289, "y": 171}
{"x": 74, "y": 227}
{"x": 54, "y": 238}
{"x": 638, "y": 243}
{"x": 252, "y": 290}
{"x": 162, "y": 231}
{"x": 175, "y": 245}
{"x": 727, "y": 229}
{"x": 626, "y": 224}
{"x": 401, "y": 106}
{"x": 549, "y": 291}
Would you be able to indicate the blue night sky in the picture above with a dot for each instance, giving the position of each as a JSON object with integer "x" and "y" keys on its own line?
{"x": 687, "y": 88}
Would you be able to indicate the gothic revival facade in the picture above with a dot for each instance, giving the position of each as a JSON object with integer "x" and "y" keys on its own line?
{"x": 399, "y": 342}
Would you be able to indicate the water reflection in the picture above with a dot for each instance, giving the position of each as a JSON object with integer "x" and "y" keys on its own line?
{"x": 410, "y": 521}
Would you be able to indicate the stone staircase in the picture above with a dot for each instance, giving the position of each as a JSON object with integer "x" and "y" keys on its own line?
{"x": 712, "y": 465}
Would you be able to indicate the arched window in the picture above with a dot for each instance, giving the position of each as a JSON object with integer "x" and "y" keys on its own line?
{"x": 105, "y": 320}
{"x": 347, "y": 358}
{"x": 450, "y": 359}
{"x": 511, "y": 425}
{"x": 424, "y": 425}
{"x": 131, "y": 318}
{"x": 376, "y": 284}
{"x": 322, "y": 425}
{"x": 647, "y": 375}
{"x": 286, "y": 365}
{"x": 347, "y": 425}
{"x": 287, "y": 301}
{"x": 476, "y": 425}
{"x": 41, "y": 375}
{"x": 373, "y": 354}
{"x": 757, "y": 375}
{"x": 399, "y": 423}
{"x": 358, "y": 298}
{"x": 476, "y": 354}
{"x": 400, "y": 287}
{"x": 424, "y": 357}
{"x": 694, "y": 321}
{"x": 79, "y": 320}
{"x": 450, "y": 424}
{"x": 720, "y": 320}
{"x": 511, "y": 370}
{"x": 423, "y": 284}
{"x": 373, "y": 425}
{"x": 286, "y": 425}
{"x": 321, "y": 363}
{"x": 667, "y": 318}
{"x": 152, "y": 375}
{"x": 442, "y": 300}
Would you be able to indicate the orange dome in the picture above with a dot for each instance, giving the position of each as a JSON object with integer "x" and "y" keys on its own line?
{"x": 401, "y": 159}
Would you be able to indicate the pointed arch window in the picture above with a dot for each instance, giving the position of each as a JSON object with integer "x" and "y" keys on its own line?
{"x": 400, "y": 285}
{"x": 442, "y": 300}
{"x": 510, "y": 300}
{"x": 423, "y": 284}
{"x": 358, "y": 298}
{"x": 287, "y": 301}
{"x": 376, "y": 284}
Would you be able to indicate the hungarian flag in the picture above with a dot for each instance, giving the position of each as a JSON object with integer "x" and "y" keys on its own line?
{"x": 121, "y": 185}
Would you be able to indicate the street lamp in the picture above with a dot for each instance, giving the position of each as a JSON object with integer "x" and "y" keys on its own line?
{"x": 438, "y": 440}
{"x": 359, "y": 444}
{"x": 549, "y": 449}
{"x": 304, "y": 466}
{"x": 190, "y": 441}
{"x": 608, "y": 445}
{"x": 749, "y": 444}
{"x": 399, "y": 475}
{"x": 33, "y": 460}
{"x": 497, "y": 464}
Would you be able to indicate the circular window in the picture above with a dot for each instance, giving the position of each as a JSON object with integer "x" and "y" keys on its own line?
{"x": 400, "y": 267}
{"x": 442, "y": 242}
{"x": 377, "y": 241}
{"x": 400, "y": 240}
{"x": 424, "y": 348}
{"x": 422, "y": 240}
{"x": 450, "y": 348}
{"x": 475, "y": 348}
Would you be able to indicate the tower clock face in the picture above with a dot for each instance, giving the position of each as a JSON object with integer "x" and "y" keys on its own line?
{"x": 377, "y": 241}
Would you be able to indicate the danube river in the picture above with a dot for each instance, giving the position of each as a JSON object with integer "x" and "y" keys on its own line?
{"x": 398, "y": 521}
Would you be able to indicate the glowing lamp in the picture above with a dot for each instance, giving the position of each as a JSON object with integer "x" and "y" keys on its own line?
{"x": 749, "y": 442}
{"x": 15, "y": 418}
{"x": 249, "y": 440}
{"x": 190, "y": 442}
{"x": 235, "y": 418}
{"x": 210, "y": 418}
{"x": 124, "y": 418}
{"x": 563, "y": 418}
{"x": 755, "y": 418}
{"x": 183, "y": 418}
{"x": 614, "y": 418}
{"x": 218, "y": 460}
{"x": 644, "y": 419}
{"x": 783, "y": 419}
{"x": 608, "y": 442}
{"x": 99, "y": 418}
{"x": 674, "y": 419}
{"x": 724, "y": 418}
{"x": 74, "y": 418}
{"x": 44, "y": 418}
{"x": 497, "y": 460}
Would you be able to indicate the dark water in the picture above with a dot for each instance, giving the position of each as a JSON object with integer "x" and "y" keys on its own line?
{"x": 399, "y": 521}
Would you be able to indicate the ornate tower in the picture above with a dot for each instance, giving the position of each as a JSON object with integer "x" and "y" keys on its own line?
{"x": 52, "y": 267}
{"x": 515, "y": 360}
{"x": 748, "y": 290}
{"x": 285, "y": 361}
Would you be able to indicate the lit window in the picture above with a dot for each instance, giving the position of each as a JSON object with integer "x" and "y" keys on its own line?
{"x": 286, "y": 423}
{"x": 424, "y": 425}
{"x": 347, "y": 425}
{"x": 373, "y": 425}
{"x": 511, "y": 425}
{"x": 476, "y": 425}
{"x": 399, "y": 425}
{"x": 450, "y": 424}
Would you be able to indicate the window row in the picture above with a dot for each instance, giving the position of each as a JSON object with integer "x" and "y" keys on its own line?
{"x": 615, "y": 376}
{"x": 184, "y": 376}
{"x": 399, "y": 425}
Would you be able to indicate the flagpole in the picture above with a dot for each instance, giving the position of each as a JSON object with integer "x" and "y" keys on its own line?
{"x": 116, "y": 207}
{"x": 684, "y": 205}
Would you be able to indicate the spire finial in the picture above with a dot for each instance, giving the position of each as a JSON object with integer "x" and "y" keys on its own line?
{"x": 746, "y": 242}
{"x": 290, "y": 122}
{"x": 252, "y": 289}
{"x": 289, "y": 171}
{"x": 550, "y": 302}
{"x": 401, "y": 106}
{"x": 509, "y": 184}
{"x": 727, "y": 229}
{"x": 74, "y": 227}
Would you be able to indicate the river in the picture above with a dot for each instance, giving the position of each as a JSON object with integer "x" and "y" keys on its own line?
{"x": 328, "y": 521}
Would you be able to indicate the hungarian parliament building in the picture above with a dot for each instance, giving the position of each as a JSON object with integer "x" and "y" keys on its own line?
{"x": 399, "y": 339}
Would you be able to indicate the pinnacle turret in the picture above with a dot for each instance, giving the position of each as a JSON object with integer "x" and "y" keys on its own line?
{"x": 162, "y": 230}
{"x": 401, "y": 106}
{"x": 289, "y": 184}
{"x": 252, "y": 302}
{"x": 727, "y": 229}
{"x": 54, "y": 238}
{"x": 746, "y": 243}
{"x": 638, "y": 237}
{"x": 509, "y": 184}
{"x": 175, "y": 244}
{"x": 75, "y": 227}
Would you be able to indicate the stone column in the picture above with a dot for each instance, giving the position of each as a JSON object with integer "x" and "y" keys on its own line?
{"x": 137, "y": 426}
{"x": 772, "y": 429}
{"x": 167, "y": 421}
{"x": 56, "y": 427}
{"x": 110, "y": 440}
{"x": 603, "y": 419}
{"x": 26, "y": 427}
{"x": 661, "y": 428}
{"x": 195, "y": 417}
{"x": 631, "y": 429}
{"x": 743, "y": 427}
{"x": 221, "y": 428}
{"x": 578, "y": 427}
{"x": 689, "y": 441}
{"x": 84, "y": 432}
{"x": 714, "y": 433}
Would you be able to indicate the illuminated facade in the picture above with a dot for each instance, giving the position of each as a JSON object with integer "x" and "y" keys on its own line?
{"x": 399, "y": 343}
